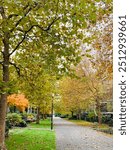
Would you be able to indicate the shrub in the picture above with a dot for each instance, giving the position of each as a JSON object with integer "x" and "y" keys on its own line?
{"x": 24, "y": 116}
{"x": 57, "y": 114}
{"x": 14, "y": 119}
{"x": 110, "y": 122}
{"x": 107, "y": 120}
{"x": 31, "y": 118}
{"x": 7, "y": 127}
{"x": 22, "y": 124}
{"x": 8, "y": 124}
{"x": 106, "y": 130}
{"x": 92, "y": 117}
{"x": 84, "y": 116}
{"x": 64, "y": 116}
{"x": 74, "y": 117}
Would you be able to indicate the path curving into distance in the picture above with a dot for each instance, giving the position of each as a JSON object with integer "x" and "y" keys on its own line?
{"x": 70, "y": 136}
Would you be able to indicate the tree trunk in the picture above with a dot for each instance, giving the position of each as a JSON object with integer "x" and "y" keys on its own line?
{"x": 4, "y": 93}
{"x": 99, "y": 117}
{"x": 79, "y": 115}
{"x": 38, "y": 115}
{"x": 2, "y": 120}
{"x": 3, "y": 106}
{"x": 72, "y": 114}
{"x": 99, "y": 112}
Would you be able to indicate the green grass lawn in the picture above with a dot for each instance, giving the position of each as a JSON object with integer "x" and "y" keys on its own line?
{"x": 34, "y": 137}
{"x": 43, "y": 124}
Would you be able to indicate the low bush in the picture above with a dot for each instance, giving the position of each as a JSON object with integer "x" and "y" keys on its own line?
{"x": 14, "y": 119}
{"x": 8, "y": 124}
{"x": 57, "y": 114}
{"x": 107, "y": 120}
{"x": 22, "y": 124}
{"x": 31, "y": 118}
{"x": 24, "y": 116}
{"x": 84, "y": 116}
{"x": 74, "y": 117}
{"x": 110, "y": 122}
{"x": 92, "y": 117}
{"x": 64, "y": 116}
{"x": 107, "y": 130}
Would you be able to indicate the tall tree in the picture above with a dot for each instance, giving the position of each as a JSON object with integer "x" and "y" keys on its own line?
{"x": 98, "y": 69}
{"x": 39, "y": 88}
{"x": 74, "y": 95}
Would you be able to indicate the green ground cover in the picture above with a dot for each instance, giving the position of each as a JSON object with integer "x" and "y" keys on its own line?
{"x": 33, "y": 137}
{"x": 43, "y": 124}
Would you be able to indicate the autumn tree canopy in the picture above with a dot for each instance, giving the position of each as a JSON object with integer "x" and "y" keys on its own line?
{"x": 95, "y": 69}
{"x": 75, "y": 97}
{"x": 19, "y": 101}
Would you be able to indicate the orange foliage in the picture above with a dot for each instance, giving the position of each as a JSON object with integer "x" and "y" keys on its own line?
{"x": 19, "y": 101}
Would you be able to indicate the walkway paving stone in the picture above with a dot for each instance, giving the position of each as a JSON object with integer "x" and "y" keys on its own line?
{"x": 70, "y": 136}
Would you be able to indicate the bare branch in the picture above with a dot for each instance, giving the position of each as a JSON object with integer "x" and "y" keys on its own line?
{"x": 16, "y": 67}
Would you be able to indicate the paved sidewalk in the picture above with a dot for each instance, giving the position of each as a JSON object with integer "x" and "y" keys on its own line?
{"x": 73, "y": 137}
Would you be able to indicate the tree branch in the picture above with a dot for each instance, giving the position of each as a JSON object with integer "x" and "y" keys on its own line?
{"x": 15, "y": 15}
{"x": 16, "y": 67}
{"x": 25, "y": 14}
{"x": 12, "y": 15}
{"x": 53, "y": 21}
{"x": 49, "y": 26}
{"x": 25, "y": 33}
{"x": 24, "y": 36}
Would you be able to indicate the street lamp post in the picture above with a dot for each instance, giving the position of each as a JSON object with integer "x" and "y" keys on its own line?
{"x": 52, "y": 106}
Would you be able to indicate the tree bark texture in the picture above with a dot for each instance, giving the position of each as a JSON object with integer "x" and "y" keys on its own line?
{"x": 4, "y": 92}
{"x": 3, "y": 105}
